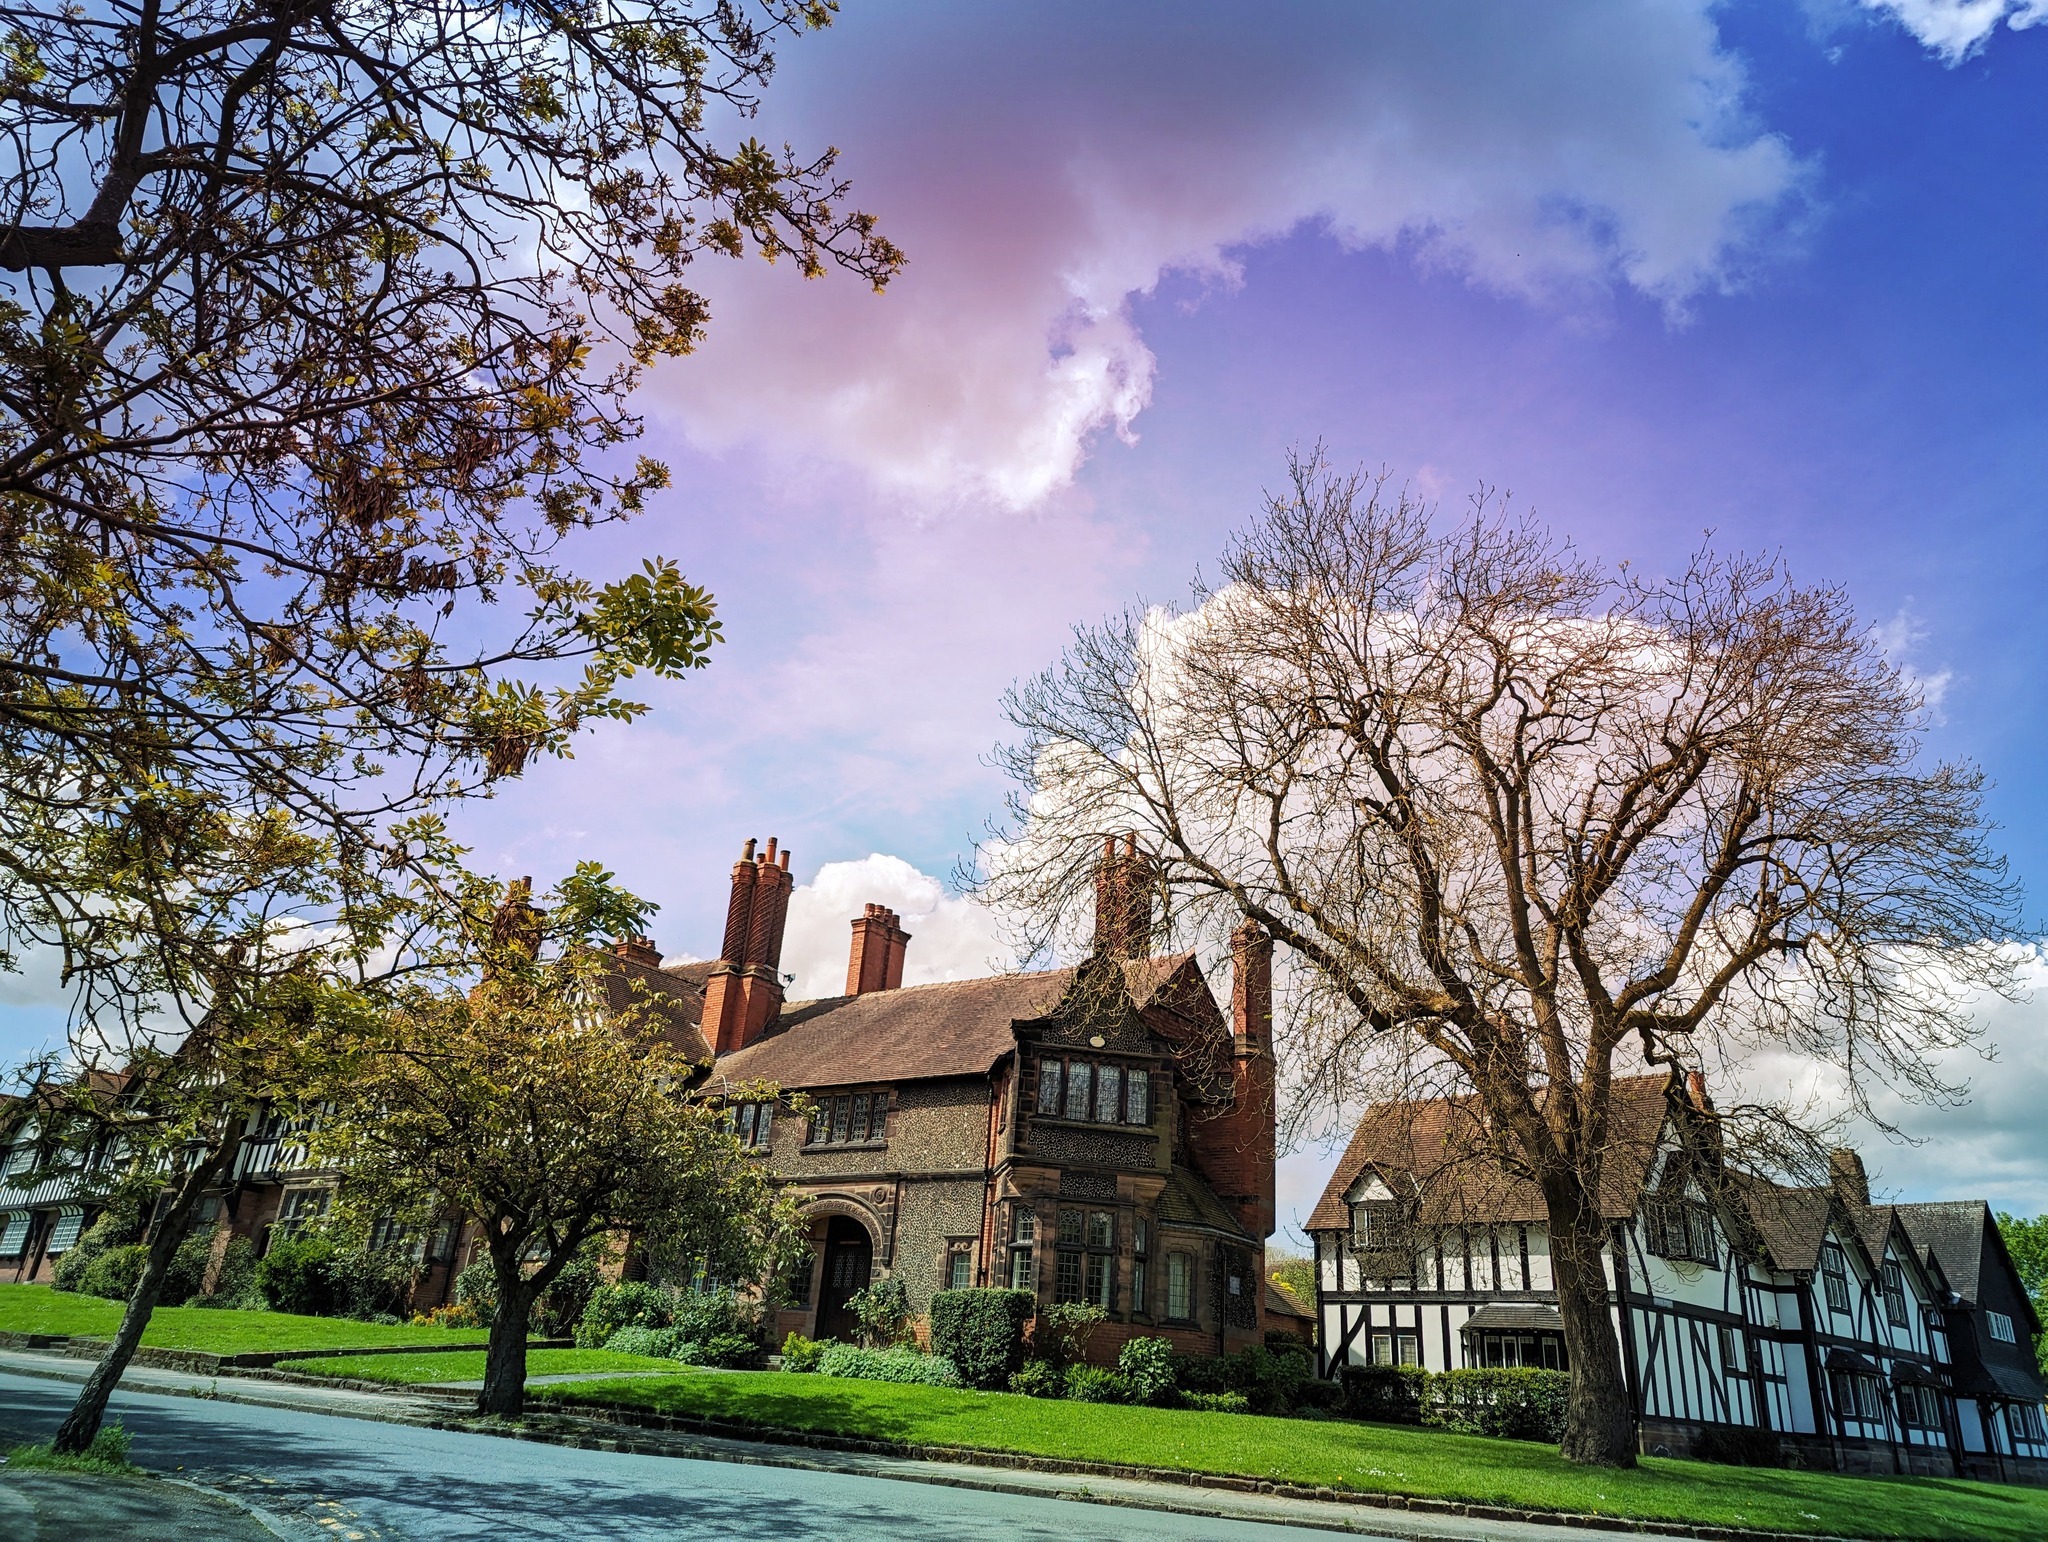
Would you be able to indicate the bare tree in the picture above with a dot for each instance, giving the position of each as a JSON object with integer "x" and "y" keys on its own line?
{"x": 1525, "y": 823}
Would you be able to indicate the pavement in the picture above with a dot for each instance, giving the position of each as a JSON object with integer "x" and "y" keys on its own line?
{"x": 362, "y": 1467}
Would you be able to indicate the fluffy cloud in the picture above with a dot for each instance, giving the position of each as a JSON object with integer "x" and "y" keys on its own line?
{"x": 1955, "y": 29}
{"x": 950, "y": 938}
{"x": 1044, "y": 164}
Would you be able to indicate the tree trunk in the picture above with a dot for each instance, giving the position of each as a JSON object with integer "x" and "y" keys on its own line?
{"x": 504, "y": 1393}
{"x": 82, "y": 1424}
{"x": 1600, "y": 1424}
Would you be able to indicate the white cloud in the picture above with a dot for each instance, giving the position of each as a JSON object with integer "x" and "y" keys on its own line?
{"x": 950, "y": 938}
{"x": 1955, "y": 29}
{"x": 1044, "y": 165}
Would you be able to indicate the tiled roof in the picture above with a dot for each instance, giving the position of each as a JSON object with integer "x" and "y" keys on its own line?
{"x": 1437, "y": 1148}
{"x": 1514, "y": 1316}
{"x": 1953, "y": 1232}
{"x": 671, "y": 994}
{"x": 960, "y": 1028}
{"x": 1280, "y": 1304}
{"x": 1188, "y": 1201}
{"x": 1791, "y": 1223}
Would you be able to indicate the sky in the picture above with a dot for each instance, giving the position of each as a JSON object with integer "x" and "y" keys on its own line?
{"x": 1773, "y": 272}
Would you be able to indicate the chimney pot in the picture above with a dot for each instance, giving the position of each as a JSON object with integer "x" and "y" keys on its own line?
{"x": 875, "y": 961}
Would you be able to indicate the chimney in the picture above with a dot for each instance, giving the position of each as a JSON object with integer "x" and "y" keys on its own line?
{"x": 1123, "y": 900}
{"x": 638, "y": 950}
{"x": 1845, "y": 1169}
{"x": 876, "y": 962}
{"x": 1235, "y": 1147}
{"x": 744, "y": 992}
{"x": 1696, "y": 1090}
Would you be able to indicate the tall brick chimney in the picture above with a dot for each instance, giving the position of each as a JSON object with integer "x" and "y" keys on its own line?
{"x": 744, "y": 992}
{"x": 1236, "y": 1147}
{"x": 1123, "y": 900}
{"x": 876, "y": 962}
{"x": 1845, "y": 1168}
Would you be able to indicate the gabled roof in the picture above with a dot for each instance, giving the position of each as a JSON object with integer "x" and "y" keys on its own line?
{"x": 919, "y": 1032}
{"x": 1955, "y": 1232}
{"x": 1791, "y": 1223}
{"x": 1434, "y": 1150}
{"x": 674, "y": 996}
{"x": 1280, "y": 1304}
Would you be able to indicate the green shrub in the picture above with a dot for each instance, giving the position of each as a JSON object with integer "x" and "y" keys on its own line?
{"x": 627, "y": 1304}
{"x": 704, "y": 1315}
{"x": 1518, "y": 1404}
{"x": 1064, "y": 1330}
{"x": 297, "y": 1275}
{"x": 120, "y": 1223}
{"x": 1097, "y": 1384}
{"x": 562, "y": 1305}
{"x": 897, "y": 1364}
{"x": 883, "y": 1312}
{"x": 235, "y": 1284}
{"x": 730, "y": 1351}
{"x": 1147, "y": 1367}
{"x": 1039, "y": 1378}
{"x": 800, "y": 1354}
{"x": 112, "y": 1272}
{"x": 982, "y": 1333}
{"x": 1216, "y": 1402}
{"x": 371, "y": 1283}
{"x": 476, "y": 1287}
{"x": 1270, "y": 1380}
{"x": 1387, "y": 1394}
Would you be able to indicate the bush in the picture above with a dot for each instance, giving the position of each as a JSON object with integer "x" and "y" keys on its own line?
{"x": 1097, "y": 1384}
{"x": 112, "y": 1272}
{"x": 897, "y": 1364}
{"x": 883, "y": 1312}
{"x": 729, "y": 1351}
{"x": 1518, "y": 1404}
{"x": 371, "y": 1284}
{"x": 1216, "y": 1402}
{"x": 562, "y": 1305}
{"x": 1147, "y": 1367}
{"x": 982, "y": 1333}
{"x": 1388, "y": 1394}
{"x": 297, "y": 1275}
{"x": 627, "y": 1304}
{"x": 1064, "y": 1331}
{"x": 456, "y": 1314}
{"x": 1270, "y": 1380}
{"x": 800, "y": 1354}
{"x": 1039, "y": 1378}
{"x": 476, "y": 1287}
{"x": 704, "y": 1315}
{"x": 235, "y": 1284}
{"x": 121, "y": 1223}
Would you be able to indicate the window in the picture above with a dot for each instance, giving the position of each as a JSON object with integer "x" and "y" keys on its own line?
{"x": 387, "y": 1231}
{"x": 13, "y": 1233}
{"x": 1094, "y": 1092}
{"x": 1375, "y": 1226}
{"x": 959, "y": 1267}
{"x": 70, "y": 1221}
{"x": 1023, "y": 1234}
{"x": 299, "y": 1209}
{"x": 1894, "y": 1295}
{"x": 1066, "y": 1279}
{"x": 1180, "y": 1286}
{"x": 751, "y": 1122}
{"x": 1681, "y": 1229}
{"x": 2001, "y": 1327}
{"x": 1395, "y": 1348}
{"x": 1834, "y": 1273}
{"x": 848, "y": 1119}
{"x": 1856, "y": 1396}
{"x": 2026, "y": 1419}
{"x": 1734, "y": 1352}
{"x": 1141, "y": 1236}
{"x": 1085, "y": 1275}
{"x": 1383, "y": 1349}
{"x": 1919, "y": 1407}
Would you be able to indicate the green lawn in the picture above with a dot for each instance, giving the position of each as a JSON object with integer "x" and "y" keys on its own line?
{"x": 468, "y": 1365}
{"x": 39, "y": 1309}
{"x": 1366, "y": 1457}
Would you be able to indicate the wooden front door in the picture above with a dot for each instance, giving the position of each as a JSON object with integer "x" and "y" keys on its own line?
{"x": 849, "y": 1259}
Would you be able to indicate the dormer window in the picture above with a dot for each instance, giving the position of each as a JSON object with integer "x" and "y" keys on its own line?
{"x": 1681, "y": 1229}
{"x": 1376, "y": 1225}
{"x": 752, "y": 1122}
{"x": 1895, "y": 1295}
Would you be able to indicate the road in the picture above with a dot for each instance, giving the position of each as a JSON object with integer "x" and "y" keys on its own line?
{"x": 369, "y": 1482}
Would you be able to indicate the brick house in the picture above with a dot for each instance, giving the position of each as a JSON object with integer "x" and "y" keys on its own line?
{"x": 1098, "y": 1133}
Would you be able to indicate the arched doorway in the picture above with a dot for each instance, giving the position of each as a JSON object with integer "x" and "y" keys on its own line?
{"x": 849, "y": 1260}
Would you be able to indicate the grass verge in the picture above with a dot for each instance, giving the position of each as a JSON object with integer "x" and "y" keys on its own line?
{"x": 1362, "y": 1458}
{"x": 107, "y": 1455}
{"x": 39, "y": 1309}
{"x": 468, "y": 1365}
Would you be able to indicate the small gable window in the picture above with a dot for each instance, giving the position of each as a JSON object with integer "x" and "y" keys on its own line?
{"x": 1094, "y": 1092}
{"x": 1895, "y": 1295}
{"x": 751, "y": 1122}
{"x": 1834, "y": 1273}
{"x": 1681, "y": 1229}
{"x": 2001, "y": 1327}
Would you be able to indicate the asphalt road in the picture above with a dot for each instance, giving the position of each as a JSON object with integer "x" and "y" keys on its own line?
{"x": 360, "y": 1481}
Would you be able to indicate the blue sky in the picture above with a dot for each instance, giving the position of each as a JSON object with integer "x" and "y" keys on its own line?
{"x": 1774, "y": 270}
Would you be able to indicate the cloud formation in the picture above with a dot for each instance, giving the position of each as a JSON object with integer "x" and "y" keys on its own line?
{"x": 1045, "y": 164}
{"x": 950, "y": 938}
{"x": 1956, "y": 29}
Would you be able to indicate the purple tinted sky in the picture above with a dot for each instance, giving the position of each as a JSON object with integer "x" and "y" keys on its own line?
{"x": 1767, "y": 270}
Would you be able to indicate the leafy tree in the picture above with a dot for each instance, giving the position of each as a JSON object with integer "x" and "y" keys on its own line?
{"x": 1525, "y": 824}
{"x": 552, "y": 1113}
{"x": 321, "y": 329}
{"x": 1295, "y": 1275}
{"x": 2027, "y": 1241}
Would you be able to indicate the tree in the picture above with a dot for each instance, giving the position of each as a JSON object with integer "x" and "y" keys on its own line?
{"x": 319, "y": 347}
{"x": 551, "y": 1111}
{"x": 2027, "y": 1241}
{"x": 1295, "y": 1275}
{"x": 1524, "y": 823}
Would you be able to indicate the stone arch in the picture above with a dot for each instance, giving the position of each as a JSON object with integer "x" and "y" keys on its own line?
{"x": 855, "y": 1207}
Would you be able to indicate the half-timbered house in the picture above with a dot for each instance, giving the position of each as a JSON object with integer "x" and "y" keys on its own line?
{"x": 1807, "y": 1319}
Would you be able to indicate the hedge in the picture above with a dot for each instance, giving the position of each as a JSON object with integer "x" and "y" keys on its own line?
{"x": 982, "y": 1333}
{"x": 1519, "y": 1404}
{"x": 899, "y": 1364}
{"x": 1386, "y": 1394}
